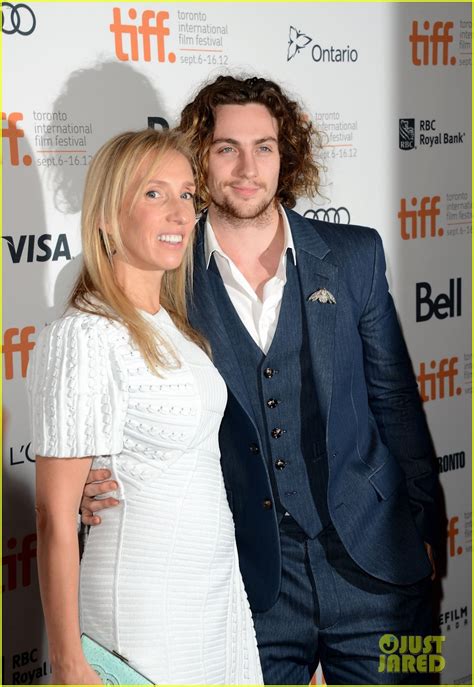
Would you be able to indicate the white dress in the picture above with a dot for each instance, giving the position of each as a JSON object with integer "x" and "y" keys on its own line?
{"x": 160, "y": 579}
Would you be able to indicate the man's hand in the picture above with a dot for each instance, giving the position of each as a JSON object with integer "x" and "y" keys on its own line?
{"x": 98, "y": 482}
{"x": 429, "y": 551}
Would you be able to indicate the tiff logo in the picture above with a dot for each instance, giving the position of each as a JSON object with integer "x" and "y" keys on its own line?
{"x": 23, "y": 346}
{"x": 453, "y": 531}
{"x": 432, "y": 384}
{"x": 152, "y": 24}
{"x": 439, "y": 36}
{"x": 19, "y": 561}
{"x": 414, "y": 222}
{"x": 11, "y": 132}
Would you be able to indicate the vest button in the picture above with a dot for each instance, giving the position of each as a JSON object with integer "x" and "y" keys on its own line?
{"x": 280, "y": 464}
{"x": 267, "y": 504}
{"x": 272, "y": 403}
{"x": 253, "y": 448}
{"x": 277, "y": 432}
{"x": 268, "y": 372}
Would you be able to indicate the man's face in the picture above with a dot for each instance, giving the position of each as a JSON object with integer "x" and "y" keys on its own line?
{"x": 244, "y": 160}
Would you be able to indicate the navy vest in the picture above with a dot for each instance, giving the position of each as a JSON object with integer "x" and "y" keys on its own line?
{"x": 283, "y": 398}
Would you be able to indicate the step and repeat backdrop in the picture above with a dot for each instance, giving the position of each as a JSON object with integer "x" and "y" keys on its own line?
{"x": 388, "y": 86}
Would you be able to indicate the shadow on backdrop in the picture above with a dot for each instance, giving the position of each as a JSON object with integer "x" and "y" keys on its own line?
{"x": 110, "y": 98}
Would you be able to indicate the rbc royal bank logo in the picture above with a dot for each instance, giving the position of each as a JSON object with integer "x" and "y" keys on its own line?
{"x": 430, "y": 46}
{"x": 406, "y": 134}
{"x": 429, "y": 135}
{"x": 141, "y": 39}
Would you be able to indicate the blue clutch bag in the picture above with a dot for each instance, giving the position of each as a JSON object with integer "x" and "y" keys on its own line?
{"x": 112, "y": 668}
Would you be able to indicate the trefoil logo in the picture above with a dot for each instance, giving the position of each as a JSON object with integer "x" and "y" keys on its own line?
{"x": 297, "y": 40}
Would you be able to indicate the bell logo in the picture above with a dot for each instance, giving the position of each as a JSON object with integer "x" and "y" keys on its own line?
{"x": 414, "y": 222}
{"x": 22, "y": 559}
{"x": 437, "y": 35}
{"x": 433, "y": 384}
{"x": 152, "y": 24}
{"x": 453, "y": 532}
{"x": 23, "y": 346}
{"x": 11, "y": 132}
{"x": 443, "y": 305}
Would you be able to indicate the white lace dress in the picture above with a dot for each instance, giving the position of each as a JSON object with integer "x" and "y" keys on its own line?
{"x": 160, "y": 578}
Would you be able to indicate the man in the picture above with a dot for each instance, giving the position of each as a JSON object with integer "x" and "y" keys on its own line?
{"x": 325, "y": 451}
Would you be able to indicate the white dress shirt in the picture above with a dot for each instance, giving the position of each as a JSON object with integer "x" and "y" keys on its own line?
{"x": 260, "y": 317}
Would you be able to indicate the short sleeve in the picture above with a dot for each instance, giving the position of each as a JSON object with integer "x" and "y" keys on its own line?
{"x": 76, "y": 390}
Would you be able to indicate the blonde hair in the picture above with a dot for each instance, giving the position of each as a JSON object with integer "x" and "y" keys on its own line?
{"x": 109, "y": 178}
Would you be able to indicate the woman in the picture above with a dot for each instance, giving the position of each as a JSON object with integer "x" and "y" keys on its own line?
{"x": 121, "y": 380}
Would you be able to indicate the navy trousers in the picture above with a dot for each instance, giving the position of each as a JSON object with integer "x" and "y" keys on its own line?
{"x": 330, "y": 611}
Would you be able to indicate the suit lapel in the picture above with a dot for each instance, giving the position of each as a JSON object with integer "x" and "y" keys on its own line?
{"x": 316, "y": 271}
{"x": 204, "y": 316}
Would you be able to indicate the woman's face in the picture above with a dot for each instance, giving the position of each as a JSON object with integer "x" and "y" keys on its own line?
{"x": 156, "y": 232}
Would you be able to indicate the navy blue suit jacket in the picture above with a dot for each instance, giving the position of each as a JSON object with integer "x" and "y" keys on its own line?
{"x": 381, "y": 465}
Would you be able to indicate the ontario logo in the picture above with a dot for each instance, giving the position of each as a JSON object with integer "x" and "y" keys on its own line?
{"x": 298, "y": 40}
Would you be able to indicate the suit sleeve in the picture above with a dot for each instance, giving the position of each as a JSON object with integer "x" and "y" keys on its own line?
{"x": 394, "y": 398}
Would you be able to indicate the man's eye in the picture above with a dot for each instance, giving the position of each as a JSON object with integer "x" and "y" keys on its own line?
{"x": 265, "y": 149}
{"x": 227, "y": 149}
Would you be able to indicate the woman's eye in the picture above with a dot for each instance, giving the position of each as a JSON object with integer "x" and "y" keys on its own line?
{"x": 152, "y": 194}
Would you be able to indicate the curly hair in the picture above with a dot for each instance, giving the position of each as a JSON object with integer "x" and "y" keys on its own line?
{"x": 298, "y": 139}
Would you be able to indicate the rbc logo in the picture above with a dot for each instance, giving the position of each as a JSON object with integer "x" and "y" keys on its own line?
{"x": 413, "y": 223}
{"x": 406, "y": 134}
{"x": 152, "y": 24}
{"x": 439, "y": 35}
{"x": 38, "y": 248}
{"x": 432, "y": 384}
{"x": 444, "y": 305}
{"x": 11, "y": 132}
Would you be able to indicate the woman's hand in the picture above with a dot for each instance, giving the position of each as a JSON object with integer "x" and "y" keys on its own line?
{"x": 82, "y": 674}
